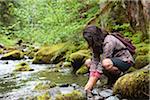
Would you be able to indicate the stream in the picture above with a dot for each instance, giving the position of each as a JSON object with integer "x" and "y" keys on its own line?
{"x": 19, "y": 85}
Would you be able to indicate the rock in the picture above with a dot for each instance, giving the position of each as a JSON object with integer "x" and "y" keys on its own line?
{"x": 1, "y": 51}
{"x": 1, "y": 46}
{"x": 133, "y": 85}
{"x": 66, "y": 64}
{"x": 141, "y": 61}
{"x": 75, "y": 95}
{"x": 13, "y": 55}
{"x": 131, "y": 69}
{"x": 63, "y": 64}
{"x": 112, "y": 98}
{"x": 30, "y": 52}
{"x": 78, "y": 58}
{"x": 23, "y": 66}
{"x": 44, "y": 86}
{"x": 45, "y": 96}
{"x": 50, "y": 54}
{"x": 106, "y": 93}
{"x": 82, "y": 70}
{"x": 64, "y": 85}
{"x": 75, "y": 86}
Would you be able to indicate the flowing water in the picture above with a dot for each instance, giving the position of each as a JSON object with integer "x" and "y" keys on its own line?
{"x": 15, "y": 85}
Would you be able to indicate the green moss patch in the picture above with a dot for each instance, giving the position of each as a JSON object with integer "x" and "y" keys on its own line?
{"x": 13, "y": 55}
{"x": 141, "y": 61}
{"x": 133, "y": 85}
{"x": 44, "y": 86}
{"x": 75, "y": 95}
{"x": 23, "y": 66}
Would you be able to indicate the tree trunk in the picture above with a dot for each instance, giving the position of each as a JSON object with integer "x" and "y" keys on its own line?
{"x": 138, "y": 15}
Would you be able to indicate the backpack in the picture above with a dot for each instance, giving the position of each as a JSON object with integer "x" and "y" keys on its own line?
{"x": 126, "y": 42}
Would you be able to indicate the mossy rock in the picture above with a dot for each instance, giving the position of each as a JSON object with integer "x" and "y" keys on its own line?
{"x": 13, "y": 55}
{"x": 1, "y": 51}
{"x": 45, "y": 96}
{"x": 63, "y": 64}
{"x": 82, "y": 70}
{"x": 133, "y": 85}
{"x": 75, "y": 95}
{"x": 30, "y": 53}
{"x": 53, "y": 54}
{"x": 78, "y": 58}
{"x": 141, "y": 61}
{"x": 131, "y": 69}
{"x": 23, "y": 66}
{"x": 44, "y": 86}
{"x": 66, "y": 64}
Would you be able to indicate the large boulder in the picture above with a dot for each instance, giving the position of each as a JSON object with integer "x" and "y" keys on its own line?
{"x": 78, "y": 58}
{"x": 13, "y": 55}
{"x": 134, "y": 84}
{"x": 50, "y": 54}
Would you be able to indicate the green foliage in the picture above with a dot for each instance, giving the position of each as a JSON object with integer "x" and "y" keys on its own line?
{"x": 124, "y": 26}
{"x": 6, "y": 41}
{"x": 136, "y": 38}
{"x": 50, "y": 21}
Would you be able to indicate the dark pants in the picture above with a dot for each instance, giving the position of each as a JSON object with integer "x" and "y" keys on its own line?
{"x": 121, "y": 65}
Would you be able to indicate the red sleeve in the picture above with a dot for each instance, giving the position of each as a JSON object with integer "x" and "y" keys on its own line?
{"x": 95, "y": 74}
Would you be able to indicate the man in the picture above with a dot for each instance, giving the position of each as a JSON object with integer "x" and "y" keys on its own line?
{"x": 114, "y": 59}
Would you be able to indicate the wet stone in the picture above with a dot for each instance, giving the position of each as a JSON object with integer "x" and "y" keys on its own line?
{"x": 95, "y": 92}
{"x": 106, "y": 93}
{"x": 112, "y": 98}
{"x": 75, "y": 86}
{"x": 64, "y": 85}
{"x": 98, "y": 98}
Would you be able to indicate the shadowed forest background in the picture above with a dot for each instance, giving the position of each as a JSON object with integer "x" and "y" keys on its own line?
{"x": 50, "y": 32}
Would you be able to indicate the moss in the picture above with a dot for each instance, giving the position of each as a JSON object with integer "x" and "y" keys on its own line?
{"x": 23, "y": 66}
{"x": 75, "y": 95}
{"x": 13, "y": 55}
{"x": 1, "y": 51}
{"x": 63, "y": 64}
{"x": 131, "y": 69}
{"x": 141, "y": 61}
{"x": 78, "y": 58}
{"x": 31, "y": 53}
{"x": 45, "y": 96}
{"x": 59, "y": 64}
{"x": 82, "y": 70}
{"x": 133, "y": 85}
{"x": 52, "y": 54}
{"x": 44, "y": 86}
{"x": 67, "y": 64}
